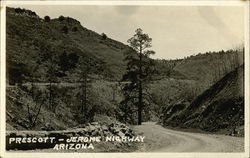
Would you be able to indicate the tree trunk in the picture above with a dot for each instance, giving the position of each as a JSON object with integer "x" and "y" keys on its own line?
{"x": 140, "y": 90}
{"x": 50, "y": 94}
{"x": 140, "y": 105}
{"x": 38, "y": 112}
{"x": 82, "y": 97}
{"x": 85, "y": 93}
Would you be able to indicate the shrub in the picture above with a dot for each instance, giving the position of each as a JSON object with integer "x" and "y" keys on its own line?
{"x": 19, "y": 10}
{"x": 30, "y": 13}
{"x": 104, "y": 36}
{"x": 61, "y": 18}
{"x": 47, "y": 19}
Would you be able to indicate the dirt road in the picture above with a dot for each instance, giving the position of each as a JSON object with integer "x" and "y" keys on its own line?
{"x": 159, "y": 139}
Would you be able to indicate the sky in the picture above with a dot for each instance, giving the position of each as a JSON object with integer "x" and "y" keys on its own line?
{"x": 176, "y": 31}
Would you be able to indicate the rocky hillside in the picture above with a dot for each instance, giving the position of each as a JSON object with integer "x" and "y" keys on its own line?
{"x": 221, "y": 107}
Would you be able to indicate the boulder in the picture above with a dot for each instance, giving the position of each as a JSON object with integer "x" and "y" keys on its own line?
{"x": 91, "y": 128}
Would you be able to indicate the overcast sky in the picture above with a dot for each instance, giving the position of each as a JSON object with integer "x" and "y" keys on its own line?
{"x": 177, "y": 31}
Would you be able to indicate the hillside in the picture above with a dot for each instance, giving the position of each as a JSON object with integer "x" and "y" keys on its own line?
{"x": 220, "y": 107}
{"x": 21, "y": 105}
{"x": 31, "y": 38}
{"x": 210, "y": 66}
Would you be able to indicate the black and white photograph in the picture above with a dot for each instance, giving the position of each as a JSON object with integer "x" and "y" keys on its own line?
{"x": 125, "y": 78}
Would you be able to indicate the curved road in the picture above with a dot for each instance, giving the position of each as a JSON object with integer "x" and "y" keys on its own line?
{"x": 159, "y": 139}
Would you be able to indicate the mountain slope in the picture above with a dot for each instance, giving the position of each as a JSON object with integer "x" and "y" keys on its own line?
{"x": 210, "y": 65}
{"x": 30, "y": 38}
{"x": 219, "y": 107}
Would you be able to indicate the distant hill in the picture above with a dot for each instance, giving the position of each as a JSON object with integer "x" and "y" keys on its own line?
{"x": 210, "y": 65}
{"x": 219, "y": 107}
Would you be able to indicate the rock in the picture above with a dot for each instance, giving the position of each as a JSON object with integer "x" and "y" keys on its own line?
{"x": 94, "y": 123}
{"x": 43, "y": 128}
{"x": 111, "y": 125}
{"x": 128, "y": 134}
{"x": 84, "y": 131}
{"x": 98, "y": 126}
{"x": 104, "y": 128}
{"x": 123, "y": 126}
{"x": 91, "y": 128}
{"x": 22, "y": 123}
{"x": 123, "y": 130}
{"x": 120, "y": 134}
{"x": 113, "y": 130}
{"x": 130, "y": 130}
{"x": 105, "y": 133}
{"x": 95, "y": 133}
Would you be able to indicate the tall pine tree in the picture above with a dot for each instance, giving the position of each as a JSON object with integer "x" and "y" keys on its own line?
{"x": 140, "y": 68}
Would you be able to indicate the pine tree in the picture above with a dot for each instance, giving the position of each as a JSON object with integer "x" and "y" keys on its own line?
{"x": 84, "y": 113}
{"x": 140, "y": 69}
